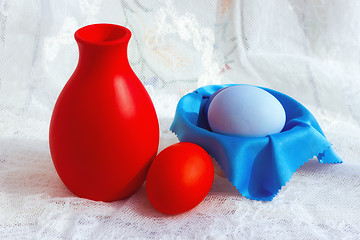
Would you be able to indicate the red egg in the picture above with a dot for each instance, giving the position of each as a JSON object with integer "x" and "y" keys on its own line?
{"x": 179, "y": 178}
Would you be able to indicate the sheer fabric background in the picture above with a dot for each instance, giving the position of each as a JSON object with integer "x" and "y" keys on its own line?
{"x": 309, "y": 50}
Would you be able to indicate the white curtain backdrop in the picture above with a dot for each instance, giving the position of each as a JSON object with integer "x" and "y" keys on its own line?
{"x": 309, "y": 50}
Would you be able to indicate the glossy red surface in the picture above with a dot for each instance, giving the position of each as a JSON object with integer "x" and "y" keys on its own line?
{"x": 179, "y": 178}
{"x": 104, "y": 131}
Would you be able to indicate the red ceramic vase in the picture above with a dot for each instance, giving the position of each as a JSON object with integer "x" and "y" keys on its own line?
{"x": 104, "y": 131}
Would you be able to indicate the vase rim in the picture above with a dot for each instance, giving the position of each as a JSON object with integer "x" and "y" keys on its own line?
{"x": 102, "y": 34}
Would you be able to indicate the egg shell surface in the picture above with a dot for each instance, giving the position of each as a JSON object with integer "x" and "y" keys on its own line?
{"x": 247, "y": 111}
{"x": 207, "y": 104}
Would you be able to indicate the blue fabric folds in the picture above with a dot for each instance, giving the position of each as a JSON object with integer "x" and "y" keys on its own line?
{"x": 257, "y": 167}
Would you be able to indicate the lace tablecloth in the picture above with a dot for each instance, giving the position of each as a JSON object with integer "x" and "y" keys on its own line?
{"x": 308, "y": 50}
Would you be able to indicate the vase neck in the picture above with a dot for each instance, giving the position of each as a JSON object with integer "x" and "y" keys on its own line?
{"x": 103, "y": 45}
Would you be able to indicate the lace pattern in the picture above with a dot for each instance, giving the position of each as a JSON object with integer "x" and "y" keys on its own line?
{"x": 308, "y": 50}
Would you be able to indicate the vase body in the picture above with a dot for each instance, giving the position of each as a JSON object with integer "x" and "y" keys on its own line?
{"x": 104, "y": 131}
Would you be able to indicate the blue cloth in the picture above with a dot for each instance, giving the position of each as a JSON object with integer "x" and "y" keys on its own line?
{"x": 257, "y": 167}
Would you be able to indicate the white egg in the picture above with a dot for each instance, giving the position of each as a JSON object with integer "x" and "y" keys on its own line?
{"x": 245, "y": 110}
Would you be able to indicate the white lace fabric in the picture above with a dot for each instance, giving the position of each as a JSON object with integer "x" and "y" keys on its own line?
{"x": 309, "y": 50}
